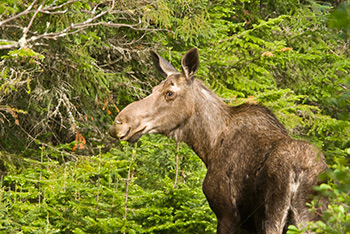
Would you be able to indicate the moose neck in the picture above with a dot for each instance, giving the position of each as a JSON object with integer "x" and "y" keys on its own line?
{"x": 210, "y": 118}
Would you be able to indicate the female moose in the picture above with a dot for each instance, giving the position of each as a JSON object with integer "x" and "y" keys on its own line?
{"x": 258, "y": 178}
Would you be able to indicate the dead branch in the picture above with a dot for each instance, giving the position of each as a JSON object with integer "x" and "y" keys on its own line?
{"x": 128, "y": 181}
{"x": 22, "y": 42}
{"x": 74, "y": 28}
{"x": 25, "y": 12}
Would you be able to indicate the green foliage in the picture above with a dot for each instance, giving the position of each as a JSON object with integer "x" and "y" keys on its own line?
{"x": 111, "y": 192}
{"x": 339, "y": 18}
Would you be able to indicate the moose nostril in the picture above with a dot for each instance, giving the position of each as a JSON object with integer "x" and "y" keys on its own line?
{"x": 112, "y": 131}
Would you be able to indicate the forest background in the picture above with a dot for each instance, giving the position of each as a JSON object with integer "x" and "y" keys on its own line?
{"x": 68, "y": 66}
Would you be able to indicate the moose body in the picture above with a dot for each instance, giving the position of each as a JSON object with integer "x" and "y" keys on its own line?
{"x": 258, "y": 178}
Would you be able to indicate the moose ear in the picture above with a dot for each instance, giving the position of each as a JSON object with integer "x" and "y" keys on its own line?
{"x": 190, "y": 63}
{"x": 163, "y": 66}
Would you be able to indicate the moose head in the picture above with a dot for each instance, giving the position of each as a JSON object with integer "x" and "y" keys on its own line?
{"x": 169, "y": 106}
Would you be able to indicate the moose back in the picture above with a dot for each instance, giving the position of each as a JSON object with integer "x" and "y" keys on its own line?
{"x": 258, "y": 178}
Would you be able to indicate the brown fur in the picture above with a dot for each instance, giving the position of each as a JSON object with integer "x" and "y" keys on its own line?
{"x": 259, "y": 178}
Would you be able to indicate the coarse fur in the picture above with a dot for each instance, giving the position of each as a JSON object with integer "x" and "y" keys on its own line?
{"x": 258, "y": 178}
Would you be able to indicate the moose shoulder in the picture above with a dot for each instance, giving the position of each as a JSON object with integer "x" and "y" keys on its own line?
{"x": 258, "y": 178}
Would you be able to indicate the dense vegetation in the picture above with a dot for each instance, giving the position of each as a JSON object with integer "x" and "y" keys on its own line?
{"x": 67, "y": 67}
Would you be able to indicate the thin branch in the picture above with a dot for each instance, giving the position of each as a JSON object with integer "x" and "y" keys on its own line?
{"x": 25, "y": 12}
{"x": 98, "y": 182}
{"x": 54, "y": 12}
{"x": 32, "y": 19}
{"x": 23, "y": 41}
{"x": 12, "y": 44}
{"x": 71, "y": 29}
{"x": 74, "y": 157}
{"x": 128, "y": 181}
{"x": 176, "y": 164}
{"x": 49, "y": 8}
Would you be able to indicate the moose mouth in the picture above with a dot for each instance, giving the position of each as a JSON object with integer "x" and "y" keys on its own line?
{"x": 134, "y": 137}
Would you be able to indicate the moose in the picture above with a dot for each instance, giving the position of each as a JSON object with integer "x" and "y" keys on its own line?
{"x": 258, "y": 178}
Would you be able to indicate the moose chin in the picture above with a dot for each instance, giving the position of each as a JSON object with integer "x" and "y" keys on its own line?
{"x": 258, "y": 178}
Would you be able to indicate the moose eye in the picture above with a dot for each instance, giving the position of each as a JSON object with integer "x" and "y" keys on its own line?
{"x": 169, "y": 94}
